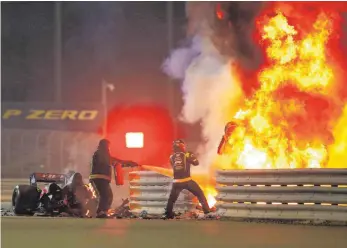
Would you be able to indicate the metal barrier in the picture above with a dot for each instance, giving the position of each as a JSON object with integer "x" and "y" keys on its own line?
{"x": 149, "y": 191}
{"x": 291, "y": 194}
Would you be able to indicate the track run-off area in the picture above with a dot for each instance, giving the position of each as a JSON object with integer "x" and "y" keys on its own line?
{"x": 42, "y": 232}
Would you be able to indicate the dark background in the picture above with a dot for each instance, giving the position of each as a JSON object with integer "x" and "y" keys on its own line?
{"x": 124, "y": 43}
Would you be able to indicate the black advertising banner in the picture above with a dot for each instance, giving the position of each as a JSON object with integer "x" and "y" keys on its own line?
{"x": 84, "y": 117}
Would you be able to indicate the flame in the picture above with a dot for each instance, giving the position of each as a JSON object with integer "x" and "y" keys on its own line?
{"x": 210, "y": 193}
{"x": 301, "y": 62}
{"x": 338, "y": 150}
{"x": 91, "y": 189}
{"x": 219, "y": 12}
{"x": 287, "y": 121}
{"x": 111, "y": 212}
{"x": 207, "y": 185}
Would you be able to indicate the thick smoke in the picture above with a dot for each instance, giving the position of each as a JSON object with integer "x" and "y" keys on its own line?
{"x": 210, "y": 88}
{"x": 233, "y": 34}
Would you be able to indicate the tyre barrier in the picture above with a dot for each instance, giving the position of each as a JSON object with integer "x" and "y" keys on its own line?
{"x": 149, "y": 192}
{"x": 286, "y": 194}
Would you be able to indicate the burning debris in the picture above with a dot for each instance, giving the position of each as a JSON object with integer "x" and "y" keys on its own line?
{"x": 123, "y": 211}
{"x": 276, "y": 70}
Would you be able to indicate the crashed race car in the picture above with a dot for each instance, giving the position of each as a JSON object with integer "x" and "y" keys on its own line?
{"x": 61, "y": 193}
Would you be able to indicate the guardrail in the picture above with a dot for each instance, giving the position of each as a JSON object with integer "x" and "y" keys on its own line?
{"x": 289, "y": 194}
{"x": 149, "y": 191}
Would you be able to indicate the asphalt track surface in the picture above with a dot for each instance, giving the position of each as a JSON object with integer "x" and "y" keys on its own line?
{"x": 39, "y": 232}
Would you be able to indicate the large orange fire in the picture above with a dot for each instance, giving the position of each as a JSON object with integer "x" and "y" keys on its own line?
{"x": 296, "y": 117}
{"x": 289, "y": 120}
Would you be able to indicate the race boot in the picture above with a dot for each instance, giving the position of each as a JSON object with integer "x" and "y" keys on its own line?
{"x": 167, "y": 216}
{"x": 102, "y": 215}
{"x": 207, "y": 215}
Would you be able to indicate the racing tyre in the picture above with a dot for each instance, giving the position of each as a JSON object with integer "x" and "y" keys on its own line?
{"x": 25, "y": 199}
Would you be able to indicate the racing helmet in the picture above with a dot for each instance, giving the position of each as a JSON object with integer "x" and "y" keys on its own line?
{"x": 178, "y": 145}
{"x": 104, "y": 144}
{"x": 230, "y": 127}
{"x": 53, "y": 189}
{"x": 77, "y": 179}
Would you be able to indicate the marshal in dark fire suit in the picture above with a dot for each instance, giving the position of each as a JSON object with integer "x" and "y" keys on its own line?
{"x": 181, "y": 161}
{"x": 101, "y": 173}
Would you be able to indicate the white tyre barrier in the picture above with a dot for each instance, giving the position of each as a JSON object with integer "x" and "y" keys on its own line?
{"x": 150, "y": 191}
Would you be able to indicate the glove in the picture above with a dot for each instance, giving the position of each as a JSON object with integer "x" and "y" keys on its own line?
{"x": 189, "y": 154}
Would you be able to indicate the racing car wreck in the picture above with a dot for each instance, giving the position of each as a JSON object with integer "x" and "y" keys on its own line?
{"x": 61, "y": 193}
{"x": 66, "y": 195}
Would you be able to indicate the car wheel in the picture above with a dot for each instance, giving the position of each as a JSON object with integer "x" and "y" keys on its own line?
{"x": 25, "y": 199}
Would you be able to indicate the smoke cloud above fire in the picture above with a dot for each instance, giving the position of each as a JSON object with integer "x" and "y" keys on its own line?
{"x": 234, "y": 51}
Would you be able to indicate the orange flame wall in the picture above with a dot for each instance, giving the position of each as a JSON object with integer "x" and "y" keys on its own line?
{"x": 290, "y": 121}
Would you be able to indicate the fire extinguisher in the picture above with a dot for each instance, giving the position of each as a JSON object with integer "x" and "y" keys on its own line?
{"x": 118, "y": 174}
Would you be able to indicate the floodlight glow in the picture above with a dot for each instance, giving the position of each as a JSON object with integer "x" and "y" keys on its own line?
{"x": 134, "y": 140}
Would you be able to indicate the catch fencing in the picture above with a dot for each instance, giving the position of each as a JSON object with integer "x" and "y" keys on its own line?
{"x": 149, "y": 191}
{"x": 293, "y": 194}
{"x": 25, "y": 151}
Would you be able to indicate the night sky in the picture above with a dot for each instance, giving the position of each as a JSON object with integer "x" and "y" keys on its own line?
{"x": 124, "y": 43}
